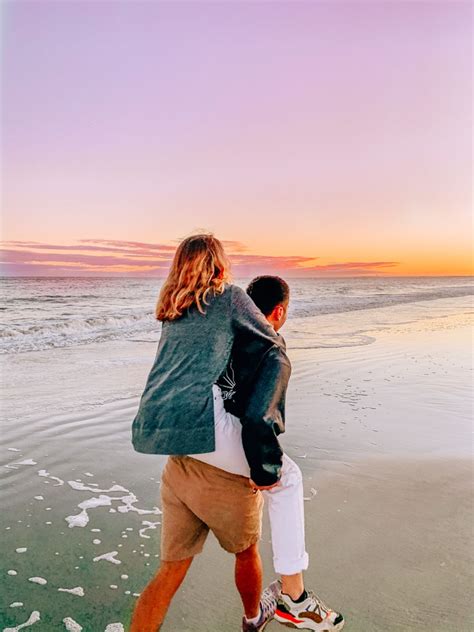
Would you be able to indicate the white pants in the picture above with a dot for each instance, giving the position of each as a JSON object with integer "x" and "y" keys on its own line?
{"x": 285, "y": 502}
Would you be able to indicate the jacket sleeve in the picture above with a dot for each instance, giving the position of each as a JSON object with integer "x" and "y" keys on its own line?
{"x": 263, "y": 418}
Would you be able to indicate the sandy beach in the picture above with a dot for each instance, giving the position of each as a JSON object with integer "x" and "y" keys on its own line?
{"x": 381, "y": 430}
{"x": 389, "y": 529}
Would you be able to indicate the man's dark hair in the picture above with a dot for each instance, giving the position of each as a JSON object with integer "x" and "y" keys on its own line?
{"x": 267, "y": 292}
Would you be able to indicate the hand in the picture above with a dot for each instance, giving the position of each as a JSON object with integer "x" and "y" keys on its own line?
{"x": 256, "y": 487}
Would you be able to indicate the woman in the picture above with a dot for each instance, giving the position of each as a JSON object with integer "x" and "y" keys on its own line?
{"x": 203, "y": 315}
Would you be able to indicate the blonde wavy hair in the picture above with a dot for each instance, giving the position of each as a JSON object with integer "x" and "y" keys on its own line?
{"x": 200, "y": 266}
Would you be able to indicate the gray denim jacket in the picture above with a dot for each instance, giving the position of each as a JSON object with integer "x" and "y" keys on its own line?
{"x": 176, "y": 411}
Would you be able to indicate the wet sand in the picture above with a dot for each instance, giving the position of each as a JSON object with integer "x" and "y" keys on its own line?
{"x": 387, "y": 449}
{"x": 390, "y": 546}
{"x": 382, "y": 432}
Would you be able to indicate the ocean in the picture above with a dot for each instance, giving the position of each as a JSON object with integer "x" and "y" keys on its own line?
{"x": 42, "y": 313}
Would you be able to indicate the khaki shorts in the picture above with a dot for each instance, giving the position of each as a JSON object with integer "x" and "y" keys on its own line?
{"x": 197, "y": 498}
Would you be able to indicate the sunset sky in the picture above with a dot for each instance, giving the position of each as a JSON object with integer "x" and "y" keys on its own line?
{"x": 315, "y": 138}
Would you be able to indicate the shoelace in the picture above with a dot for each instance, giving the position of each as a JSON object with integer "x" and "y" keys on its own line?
{"x": 318, "y": 605}
{"x": 268, "y": 603}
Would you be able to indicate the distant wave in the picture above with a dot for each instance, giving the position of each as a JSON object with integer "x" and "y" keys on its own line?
{"x": 33, "y": 324}
{"x": 338, "y": 342}
{"x": 339, "y": 304}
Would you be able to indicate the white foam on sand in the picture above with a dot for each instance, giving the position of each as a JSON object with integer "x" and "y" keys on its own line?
{"x": 313, "y": 494}
{"x": 46, "y": 474}
{"x": 14, "y": 466}
{"x": 147, "y": 525}
{"x": 34, "y": 618}
{"x": 78, "y": 591}
{"x": 82, "y": 519}
{"x": 114, "y": 627}
{"x": 108, "y": 557}
{"x": 130, "y": 500}
{"x": 71, "y": 625}
{"x": 38, "y": 580}
{"x": 86, "y": 488}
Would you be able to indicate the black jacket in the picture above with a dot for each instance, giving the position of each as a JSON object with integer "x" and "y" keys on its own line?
{"x": 254, "y": 389}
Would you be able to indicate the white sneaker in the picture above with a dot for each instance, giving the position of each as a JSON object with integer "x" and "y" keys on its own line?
{"x": 310, "y": 614}
{"x": 268, "y": 604}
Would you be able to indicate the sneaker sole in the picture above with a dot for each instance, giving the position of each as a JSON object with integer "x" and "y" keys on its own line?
{"x": 322, "y": 627}
{"x": 264, "y": 625}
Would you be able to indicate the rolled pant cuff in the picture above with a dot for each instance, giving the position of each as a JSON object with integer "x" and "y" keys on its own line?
{"x": 291, "y": 567}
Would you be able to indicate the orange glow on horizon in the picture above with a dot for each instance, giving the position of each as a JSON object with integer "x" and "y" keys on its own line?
{"x": 117, "y": 257}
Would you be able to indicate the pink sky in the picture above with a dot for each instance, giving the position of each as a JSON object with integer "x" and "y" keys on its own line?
{"x": 324, "y": 138}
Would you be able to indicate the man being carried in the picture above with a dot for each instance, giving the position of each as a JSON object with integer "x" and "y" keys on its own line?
{"x": 249, "y": 405}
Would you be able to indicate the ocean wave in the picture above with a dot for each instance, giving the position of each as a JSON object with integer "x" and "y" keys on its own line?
{"x": 38, "y": 316}
{"x": 18, "y": 338}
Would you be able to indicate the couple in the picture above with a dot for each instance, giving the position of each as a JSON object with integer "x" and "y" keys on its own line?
{"x": 215, "y": 401}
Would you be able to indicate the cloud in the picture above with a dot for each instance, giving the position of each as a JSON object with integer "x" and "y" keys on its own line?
{"x": 105, "y": 257}
{"x": 229, "y": 245}
{"x": 234, "y": 246}
{"x": 137, "y": 245}
{"x": 360, "y": 265}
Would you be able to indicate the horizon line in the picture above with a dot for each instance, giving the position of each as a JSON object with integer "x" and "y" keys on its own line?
{"x": 354, "y": 276}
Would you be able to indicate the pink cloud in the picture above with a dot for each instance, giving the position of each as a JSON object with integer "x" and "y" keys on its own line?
{"x": 34, "y": 246}
{"x": 130, "y": 258}
{"x": 138, "y": 245}
{"x": 29, "y": 256}
{"x": 353, "y": 266}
